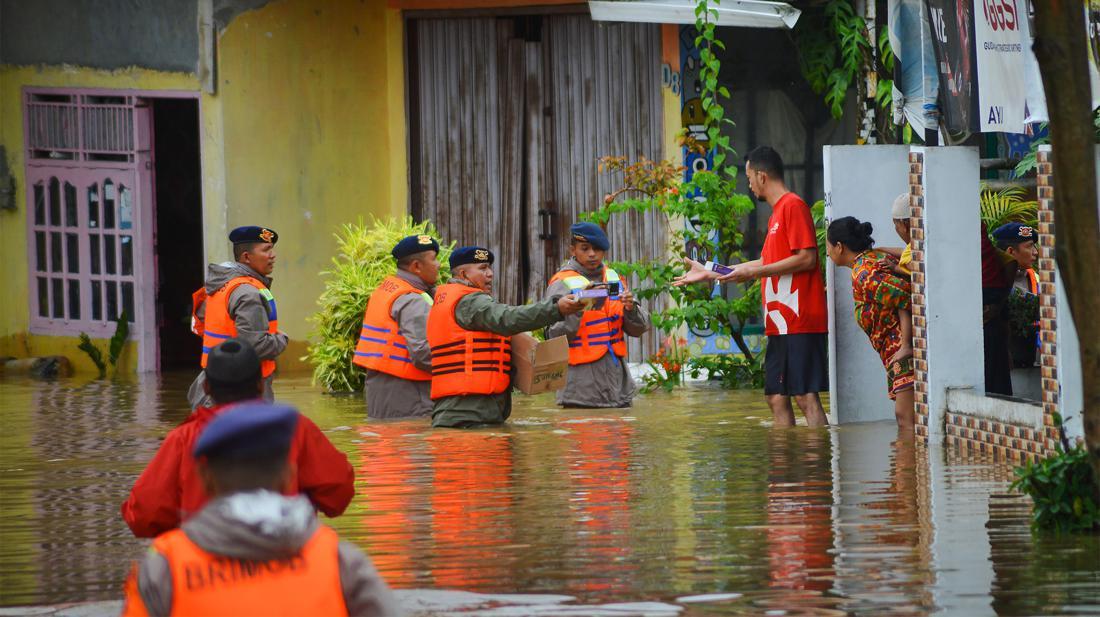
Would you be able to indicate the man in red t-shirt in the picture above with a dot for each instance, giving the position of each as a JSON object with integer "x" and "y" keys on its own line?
{"x": 793, "y": 293}
{"x": 170, "y": 489}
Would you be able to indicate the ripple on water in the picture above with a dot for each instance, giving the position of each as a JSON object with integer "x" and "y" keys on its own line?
{"x": 685, "y": 504}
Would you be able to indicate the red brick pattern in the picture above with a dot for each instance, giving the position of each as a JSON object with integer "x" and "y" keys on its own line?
{"x": 919, "y": 306}
{"x": 1048, "y": 313}
{"x": 1001, "y": 440}
{"x": 968, "y": 434}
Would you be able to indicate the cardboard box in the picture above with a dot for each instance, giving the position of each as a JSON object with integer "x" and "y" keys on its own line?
{"x": 539, "y": 366}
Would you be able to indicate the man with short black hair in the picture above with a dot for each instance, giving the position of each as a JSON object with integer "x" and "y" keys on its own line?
{"x": 792, "y": 291}
{"x": 393, "y": 343}
{"x": 251, "y": 550}
{"x": 236, "y": 302}
{"x": 169, "y": 489}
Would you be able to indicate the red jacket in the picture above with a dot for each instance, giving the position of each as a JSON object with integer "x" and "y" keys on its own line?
{"x": 170, "y": 490}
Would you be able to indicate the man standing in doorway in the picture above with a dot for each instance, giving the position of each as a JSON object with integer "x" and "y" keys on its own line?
{"x": 793, "y": 293}
{"x": 237, "y": 303}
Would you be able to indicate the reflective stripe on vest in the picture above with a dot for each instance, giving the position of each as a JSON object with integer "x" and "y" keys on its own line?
{"x": 381, "y": 346}
{"x": 207, "y": 584}
{"x": 601, "y": 330}
{"x": 464, "y": 361}
{"x": 218, "y": 324}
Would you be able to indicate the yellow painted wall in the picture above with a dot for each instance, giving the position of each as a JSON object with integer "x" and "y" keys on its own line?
{"x": 313, "y": 107}
{"x": 306, "y": 131}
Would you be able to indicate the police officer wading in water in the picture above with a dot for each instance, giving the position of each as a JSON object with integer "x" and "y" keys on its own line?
{"x": 598, "y": 375}
{"x": 468, "y": 333}
{"x": 393, "y": 343}
{"x": 237, "y": 303}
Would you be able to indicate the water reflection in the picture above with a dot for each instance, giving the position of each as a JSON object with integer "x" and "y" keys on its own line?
{"x": 689, "y": 493}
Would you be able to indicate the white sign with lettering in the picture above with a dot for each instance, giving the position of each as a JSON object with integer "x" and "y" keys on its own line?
{"x": 1001, "y": 33}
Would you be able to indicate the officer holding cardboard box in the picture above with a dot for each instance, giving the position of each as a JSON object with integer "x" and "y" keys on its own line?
{"x": 468, "y": 333}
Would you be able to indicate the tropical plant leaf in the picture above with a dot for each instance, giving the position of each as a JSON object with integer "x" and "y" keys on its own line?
{"x": 118, "y": 340}
{"x": 362, "y": 260}
{"x": 1007, "y": 206}
{"x": 88, "y": 347}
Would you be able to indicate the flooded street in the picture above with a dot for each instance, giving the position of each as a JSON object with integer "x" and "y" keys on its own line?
{"x": 683, "y": 495}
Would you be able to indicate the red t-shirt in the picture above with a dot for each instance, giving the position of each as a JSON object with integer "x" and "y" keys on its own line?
{"x": 793, "y": 303}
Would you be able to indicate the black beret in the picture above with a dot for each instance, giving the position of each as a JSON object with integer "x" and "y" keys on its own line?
{"x": 233, "y": 361}
{"x": 251, "y": 233}
{"x": 248, "y": 430}
{"x": 470, "y": 255}
{"x": 590, "y": 233}
{"x": 1014, "y": 233}
{"x": 413, "y": 245}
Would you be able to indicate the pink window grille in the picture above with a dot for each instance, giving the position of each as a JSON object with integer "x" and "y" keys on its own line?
{"x": 90, "y": 244}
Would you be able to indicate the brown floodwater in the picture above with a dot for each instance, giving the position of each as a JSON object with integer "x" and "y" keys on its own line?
{"x": 686, "y": 494}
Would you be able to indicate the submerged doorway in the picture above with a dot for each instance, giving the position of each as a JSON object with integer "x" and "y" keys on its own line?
{"x": 178, "y": 246}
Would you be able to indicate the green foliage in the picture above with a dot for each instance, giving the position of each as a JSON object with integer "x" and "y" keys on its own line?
{"x": 118, "y": 340}
{"x": 1061, "y": 491}
{"x": 1007, "y": 206}
{"x": 1028, "y": 162}
{"x": 709, "y": 202}
{"x": 732, "y": 370}
{"x": 667, "y": 366}
{"x": 1023, "y": 312}
{"x": 93, "y": 352}
{"x": 818, "y": 212}
{"x": 362, "y": 261}
{"x": 115, "y": 347}
{"x": 835, "y": 49}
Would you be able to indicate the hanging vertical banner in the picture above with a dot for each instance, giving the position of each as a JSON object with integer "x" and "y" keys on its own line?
{"x": 953, "y": 40}
{"x": 1002, "y": 62}
{"x": 916, "y": 80}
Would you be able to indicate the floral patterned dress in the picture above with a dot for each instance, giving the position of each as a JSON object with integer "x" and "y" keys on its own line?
{"x": 879, "y": 294}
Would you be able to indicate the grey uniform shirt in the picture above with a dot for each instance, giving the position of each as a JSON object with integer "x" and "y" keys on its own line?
{"x": 607, "y": 381}
{"x": 248, "y": 308}
{"x": 393, "y": 397}
{"x": 480, "y": 313}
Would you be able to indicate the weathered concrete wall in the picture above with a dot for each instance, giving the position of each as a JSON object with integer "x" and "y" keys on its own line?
{"x": 860, "y": 181}
{"x": 106, "y": 34}
{"x": 1072, "y": 401}
{"x": 952, "y": 277}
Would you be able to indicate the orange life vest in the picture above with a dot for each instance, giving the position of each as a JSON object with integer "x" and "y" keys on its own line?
{"x": 218, "y": 324}
{"x": 1032, "y": 281}
{"x": 381, "y": 346}
{"x": 204, "y": 584}
{"x": 602, "y": 329}
{"x": 464, "y": 361}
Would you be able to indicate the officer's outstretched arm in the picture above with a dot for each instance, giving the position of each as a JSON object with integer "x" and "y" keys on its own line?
{"x": 481, "y": 312}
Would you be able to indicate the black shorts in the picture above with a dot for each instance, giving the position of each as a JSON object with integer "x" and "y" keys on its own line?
{"x": 796, "y": 364}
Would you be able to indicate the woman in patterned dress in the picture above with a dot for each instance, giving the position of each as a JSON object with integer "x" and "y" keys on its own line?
{"x": 882, "y": 306}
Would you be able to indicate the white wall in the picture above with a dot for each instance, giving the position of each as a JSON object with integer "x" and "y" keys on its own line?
{"x": 953, "y": 284}
{"x": 860, "y": 181}
{"x": 1071, "y": 402}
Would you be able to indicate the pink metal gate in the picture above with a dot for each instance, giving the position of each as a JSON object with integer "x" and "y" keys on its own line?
{"x": 90, "y": 215}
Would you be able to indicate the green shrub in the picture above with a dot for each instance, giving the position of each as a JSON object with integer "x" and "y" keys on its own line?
{"x": 1061, "y": 489}
{"x": 732, "y": 370}
{"x": 362, "y": 260}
